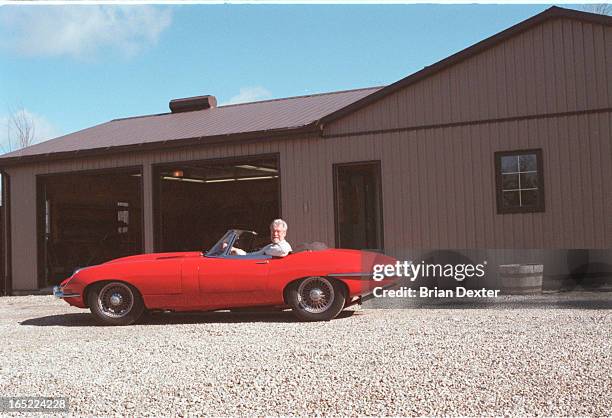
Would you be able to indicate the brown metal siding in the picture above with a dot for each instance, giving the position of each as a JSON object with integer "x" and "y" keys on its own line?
{"x": 446, "y": 196}
{"x": 23, "y": 228}
{"x": 438, "y": 186}
{"x": 560, "y": 66}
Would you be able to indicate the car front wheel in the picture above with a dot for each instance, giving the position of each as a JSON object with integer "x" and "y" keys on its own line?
{"x": 316, "y": 298}
{"x": 115, "y": 303}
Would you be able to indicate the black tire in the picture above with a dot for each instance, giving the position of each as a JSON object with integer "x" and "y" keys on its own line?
{"x": 146, "y": 317}
{"x": 316, "y": 298}
{"x": 115, "y": 303}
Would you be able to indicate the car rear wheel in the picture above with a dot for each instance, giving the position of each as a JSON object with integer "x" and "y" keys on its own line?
{"x": 316, "y": 298}
{"x": 115, "y": 303}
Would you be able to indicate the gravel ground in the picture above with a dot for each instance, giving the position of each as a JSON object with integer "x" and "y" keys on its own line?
{"x": 505, "y": 360}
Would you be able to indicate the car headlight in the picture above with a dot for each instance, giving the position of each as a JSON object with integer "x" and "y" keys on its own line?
{"x": 69, "y": 279}
{"x": 65, "y": 282}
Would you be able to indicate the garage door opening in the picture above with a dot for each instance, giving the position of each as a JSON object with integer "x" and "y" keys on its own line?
{"x": 86, "y": 219}
{"x": 197, "y": 202}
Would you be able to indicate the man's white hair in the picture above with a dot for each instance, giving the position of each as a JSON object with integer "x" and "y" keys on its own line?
{"x": 278, "y": 222}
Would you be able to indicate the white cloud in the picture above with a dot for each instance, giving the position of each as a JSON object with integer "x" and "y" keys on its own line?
{"x": 250, "y": 94}
{"x": 81, "y": 30}
{"x": 43, "y": 130}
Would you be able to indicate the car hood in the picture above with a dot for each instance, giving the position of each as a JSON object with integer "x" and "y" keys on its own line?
{"x": 155, "y": 256}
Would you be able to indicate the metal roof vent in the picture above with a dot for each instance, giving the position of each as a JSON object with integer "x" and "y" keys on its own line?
{"x": 189, "y": 104}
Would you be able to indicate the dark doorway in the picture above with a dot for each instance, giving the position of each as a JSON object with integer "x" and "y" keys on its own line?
{"x": 86, "y": 219}
{"x": 197, "y": 202}
{"x": 358, "y": 201}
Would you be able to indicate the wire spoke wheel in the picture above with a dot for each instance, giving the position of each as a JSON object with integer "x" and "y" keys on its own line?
{"x": 115, "y": 300}
{"x": 315, "y": 294}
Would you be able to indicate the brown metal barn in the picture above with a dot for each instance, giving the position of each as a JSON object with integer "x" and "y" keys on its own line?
{"x": 505, "y": 145}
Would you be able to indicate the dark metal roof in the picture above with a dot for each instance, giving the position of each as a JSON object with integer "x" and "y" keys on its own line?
{"x": 553, "y": 12}
{"x": 265, "y": 118}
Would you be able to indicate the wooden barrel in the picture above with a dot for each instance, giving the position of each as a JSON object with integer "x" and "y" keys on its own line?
{"x": 521, "y": 279}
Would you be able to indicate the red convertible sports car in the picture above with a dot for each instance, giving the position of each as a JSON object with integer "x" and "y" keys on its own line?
{"x": 316, "y": 285}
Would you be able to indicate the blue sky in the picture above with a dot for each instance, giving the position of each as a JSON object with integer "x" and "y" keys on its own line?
{"x": 72, "y": 67}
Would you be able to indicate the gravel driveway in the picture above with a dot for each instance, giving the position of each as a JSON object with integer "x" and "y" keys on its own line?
{"x": 505, "y": 360}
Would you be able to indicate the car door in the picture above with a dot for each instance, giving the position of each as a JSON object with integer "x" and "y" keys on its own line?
{"x": 160, "y": 281}
{"x": 233, "y": 281}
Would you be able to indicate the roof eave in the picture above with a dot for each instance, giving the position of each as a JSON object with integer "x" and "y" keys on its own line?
{"x": 163, "y": 145}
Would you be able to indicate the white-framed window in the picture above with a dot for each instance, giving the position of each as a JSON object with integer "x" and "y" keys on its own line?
{"x": 519, "y": 181}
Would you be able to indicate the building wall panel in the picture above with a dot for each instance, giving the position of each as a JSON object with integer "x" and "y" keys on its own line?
{"x": 447, "y": 184}
{"x": 23, "y": 229}
{"x": 438, "y": 186}
{"x": 560, "y": 66}
{"x": 607, "y": 42}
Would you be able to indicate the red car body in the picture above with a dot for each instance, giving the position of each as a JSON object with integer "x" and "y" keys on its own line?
{"x": 193, "y": 281}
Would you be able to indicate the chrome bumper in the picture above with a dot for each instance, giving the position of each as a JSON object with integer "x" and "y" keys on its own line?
{"x": 59, "y": 293}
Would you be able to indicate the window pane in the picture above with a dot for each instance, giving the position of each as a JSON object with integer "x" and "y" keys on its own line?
{"x": 509, "y": 164}
{"x": 510, "y": 181}
{"x": 511, "y": 199}
{"x": 529, "y": 181}
{"x": 529, "y": 197}
{"x": 528, "y": 162}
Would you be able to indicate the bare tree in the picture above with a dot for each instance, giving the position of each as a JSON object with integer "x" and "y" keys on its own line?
{"x": 602, "y": 8}
{"x": 20, "y": 130}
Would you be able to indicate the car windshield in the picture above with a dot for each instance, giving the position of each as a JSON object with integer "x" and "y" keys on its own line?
{"x": 219, "y": 248}
{"x": 246, "y": 240}
{"x": 232, "y": 238}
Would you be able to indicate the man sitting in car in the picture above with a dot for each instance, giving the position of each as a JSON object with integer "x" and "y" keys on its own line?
{"x": 278, "y": 248}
